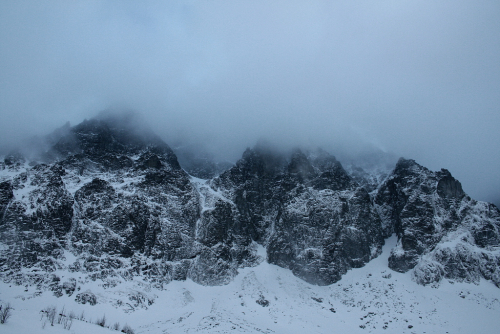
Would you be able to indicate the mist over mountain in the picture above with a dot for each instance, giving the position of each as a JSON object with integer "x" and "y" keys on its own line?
{"x": 313, "y": 214}
{"x": 417, "y": 79}
{"x": 105, "y": 215}
{"x": 252, "y": 166}
{"x": 202, "y": 158}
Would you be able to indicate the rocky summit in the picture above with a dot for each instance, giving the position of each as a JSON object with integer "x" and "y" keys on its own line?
{"x": 442, "y": 232}
{"x": 108, "y": 199}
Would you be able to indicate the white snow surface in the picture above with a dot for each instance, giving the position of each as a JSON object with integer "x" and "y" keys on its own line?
{"x": 208, "y": 196}
{"x": 372, "y": 299}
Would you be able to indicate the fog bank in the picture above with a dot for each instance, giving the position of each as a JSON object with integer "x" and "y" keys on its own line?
{"x": 419, "y": 79}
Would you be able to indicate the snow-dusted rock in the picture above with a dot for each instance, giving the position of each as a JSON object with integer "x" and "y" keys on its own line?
{"x": 307, "y": 212}
{"x": 108, "y": 201}
{"x": 442, "y": 232}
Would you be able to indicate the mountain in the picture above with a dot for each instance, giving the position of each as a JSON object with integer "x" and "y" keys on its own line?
{"x": 307, "y": 212}
{"x": 108, "y": 199}
{"x": 442, "y": 232}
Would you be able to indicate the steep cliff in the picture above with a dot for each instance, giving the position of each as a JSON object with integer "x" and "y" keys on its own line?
{"x": 109, "y": 199}
{"x": 442, "y": 232}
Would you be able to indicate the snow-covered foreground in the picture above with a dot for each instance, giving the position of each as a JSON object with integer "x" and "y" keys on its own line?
{"x": 269, "y": 299}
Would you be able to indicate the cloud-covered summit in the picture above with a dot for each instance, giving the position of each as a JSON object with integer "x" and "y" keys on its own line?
{"x": 418, "y": 78}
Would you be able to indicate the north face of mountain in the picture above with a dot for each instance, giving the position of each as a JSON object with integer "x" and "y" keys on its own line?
{"x": 112, "y": 197}
{"x": 307, "y": 212}
{"x": 112, "y": 194}
{"x": 442, "y": 232}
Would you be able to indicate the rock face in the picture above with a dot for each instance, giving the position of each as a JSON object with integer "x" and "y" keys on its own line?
{"x": 108, "y": 199}
{"x": 37, "y": 216}
{"x": 115, "y": 197}
{"x": 442, "y": 233}
{"x": 306, "y": 210}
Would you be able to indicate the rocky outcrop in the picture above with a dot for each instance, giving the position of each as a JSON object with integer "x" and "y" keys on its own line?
{"x": 37, "y": 215}
{"x": 107, "y": 193}
{"x": 442, "y": 233}
{"x": 112, "y": 197}
{"x": 306, "y": 211}
{"x": 6, "y": 196}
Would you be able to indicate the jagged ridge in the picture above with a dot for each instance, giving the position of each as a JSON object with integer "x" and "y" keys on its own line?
{"x": 115, "y": 196}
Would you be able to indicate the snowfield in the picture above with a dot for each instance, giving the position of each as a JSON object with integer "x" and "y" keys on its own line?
{"x": 267, "y": 299}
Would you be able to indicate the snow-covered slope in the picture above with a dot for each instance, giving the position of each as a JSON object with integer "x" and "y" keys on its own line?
{"x": 269, "y": 299}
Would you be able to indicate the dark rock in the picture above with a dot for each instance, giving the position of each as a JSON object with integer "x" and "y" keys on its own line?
{"x": 442, "y": 233}
{"x": 14, "y": 159}
{"x": 406, "y": 203}
{"x": 331, "y": 173}
{"x": 6, "y": 195}
{"x": 317, "y": 231}
{"x": 448, "y": 187}
{"x": 262, "y": 301}
{"x": 69, "y": 286}
{"x": 86, "y": 297}
{"x": 55, "y": 286}
{"x": 215, "y": 224}
{"x": 114, "y": 195}
{"x": 150, "y": 160}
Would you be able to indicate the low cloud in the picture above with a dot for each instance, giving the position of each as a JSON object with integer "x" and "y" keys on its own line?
{"x": 416, "y": 78}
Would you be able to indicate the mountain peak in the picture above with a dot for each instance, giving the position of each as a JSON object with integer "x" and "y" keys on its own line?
{"x": 111, "y": 139}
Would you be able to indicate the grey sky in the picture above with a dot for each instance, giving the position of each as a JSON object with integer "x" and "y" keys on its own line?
{"x": 417, "y": 78}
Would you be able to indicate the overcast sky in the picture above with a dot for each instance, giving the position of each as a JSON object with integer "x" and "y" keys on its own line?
{"x": 417, "y": 78}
